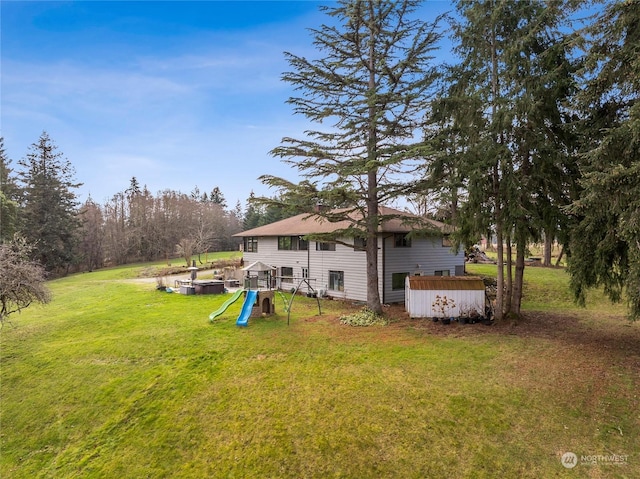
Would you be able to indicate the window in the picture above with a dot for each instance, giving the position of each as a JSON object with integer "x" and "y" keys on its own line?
{"x": 292, "y": 243}
{"x": 286, "y": 274}
{"x": 284, "y": 242}
{"x": 320, "y": 246}
{"x": 397, "y": 280}
{"x": 336, "y": 280}
{"x": 446, "y": 241}
{"x": 444, "y": 272}
{"x": 400, "y": 240}
{"x": 251, "y": 244}
{"x": 359, "y": 244}
{"x": 305, "y": 273}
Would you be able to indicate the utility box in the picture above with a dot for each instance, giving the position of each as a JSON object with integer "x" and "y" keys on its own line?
{"x": 187, "y": 290}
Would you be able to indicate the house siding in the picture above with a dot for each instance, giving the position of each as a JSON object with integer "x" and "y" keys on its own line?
{"x": 426, "y": 252}
{"x": 424, "y": 257}
{"x": 269, "y": 253}
{"x": 352, "y": 263}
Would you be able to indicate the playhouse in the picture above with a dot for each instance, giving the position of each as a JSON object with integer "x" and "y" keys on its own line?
{"x": 259, "y": 294}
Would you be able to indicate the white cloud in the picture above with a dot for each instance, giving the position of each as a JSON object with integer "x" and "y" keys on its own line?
{"x": 205, "y": 111}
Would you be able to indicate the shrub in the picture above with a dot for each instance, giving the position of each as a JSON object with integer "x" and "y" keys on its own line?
{"x": 364, "y": 317}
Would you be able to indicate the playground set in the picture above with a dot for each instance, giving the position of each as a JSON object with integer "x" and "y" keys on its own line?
{"x": 259, "y": 295}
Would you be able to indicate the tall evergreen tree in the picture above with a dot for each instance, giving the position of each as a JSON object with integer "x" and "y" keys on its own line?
{"x": 455, "y": 122}
{"x": 605, "y": 245}
{"x": 8, "y": 197}
{"x": 238, "y": 214}
{"x": 541, "y": 82}
{"x": 371, "y": 82}
{"x": 251, "y": 217}
{"x": 216, "y": 197}
{"x": 49, "y": 217}
{"x": 515, "y": 63}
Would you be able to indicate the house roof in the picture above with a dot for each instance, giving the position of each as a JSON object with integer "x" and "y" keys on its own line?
{"x": 305, "y": 224}
{"x": 447, "y": 283}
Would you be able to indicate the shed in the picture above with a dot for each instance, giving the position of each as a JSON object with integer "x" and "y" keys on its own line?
{"x": 461, "y": 295}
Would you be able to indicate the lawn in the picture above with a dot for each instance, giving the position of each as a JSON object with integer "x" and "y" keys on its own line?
{"x": 114, "y": 379}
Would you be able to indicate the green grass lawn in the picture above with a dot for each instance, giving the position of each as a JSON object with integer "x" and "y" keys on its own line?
{"x": 114, "y": 379}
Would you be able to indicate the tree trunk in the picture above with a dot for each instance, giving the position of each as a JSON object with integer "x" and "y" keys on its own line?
{"x": 500, "y": 273}
{"x": 560, "y": 257}
{"x": 509, "y": 281}
{"x": 548, "y": 247}
{"x": 373, "y": 293}
{"x": 516, "y": 302}
{"x": 496, "y": 182}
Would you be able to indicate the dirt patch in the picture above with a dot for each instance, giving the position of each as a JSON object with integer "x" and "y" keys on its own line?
{"x": 611, "y": 335}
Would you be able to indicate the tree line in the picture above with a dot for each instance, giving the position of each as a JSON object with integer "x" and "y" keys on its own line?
{"x": 39, "y": 204}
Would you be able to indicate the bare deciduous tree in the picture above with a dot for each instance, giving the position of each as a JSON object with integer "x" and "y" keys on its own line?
{"x": 22, "y": 281}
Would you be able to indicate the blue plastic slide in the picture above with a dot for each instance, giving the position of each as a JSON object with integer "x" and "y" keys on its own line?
{"x": 249, "y": 300}
{"x": 226, "y": 304}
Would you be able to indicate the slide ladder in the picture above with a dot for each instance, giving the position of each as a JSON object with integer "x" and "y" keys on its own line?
{"x": 284, "y": 300}
{"x": 226, "y": 304}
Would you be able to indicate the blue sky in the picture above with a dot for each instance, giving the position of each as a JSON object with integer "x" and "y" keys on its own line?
{"x": 177, "y": 94}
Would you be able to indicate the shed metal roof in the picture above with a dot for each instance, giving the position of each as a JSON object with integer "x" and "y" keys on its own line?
{"x": 447, "y": 283}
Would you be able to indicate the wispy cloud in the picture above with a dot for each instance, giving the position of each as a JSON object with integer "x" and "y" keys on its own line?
{"x": 200, "y": 107}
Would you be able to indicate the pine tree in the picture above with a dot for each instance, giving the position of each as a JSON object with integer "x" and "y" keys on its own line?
{"x": 455, "y": 121}
{"x": 216, "y": 197}
{"x": 371, "y": 83}
{"x": 251, "y": 217}
{"x": 49, "y": 207}
{"x": 605, "y": 245}
{"x": 8, "y": 197}
{"x": 515, "y": 64}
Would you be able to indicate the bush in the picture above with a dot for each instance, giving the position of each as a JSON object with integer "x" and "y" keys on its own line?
{"x": 364, "y": 317}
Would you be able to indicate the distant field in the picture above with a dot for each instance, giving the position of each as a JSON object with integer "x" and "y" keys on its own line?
{"x": 153, "y": 268}
{"x": 114, "y": 379}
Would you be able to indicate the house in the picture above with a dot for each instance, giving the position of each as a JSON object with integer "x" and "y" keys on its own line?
{"x": 338, "y": 268}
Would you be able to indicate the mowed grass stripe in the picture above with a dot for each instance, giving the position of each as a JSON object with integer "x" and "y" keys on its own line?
{"x": 115, "y": 379}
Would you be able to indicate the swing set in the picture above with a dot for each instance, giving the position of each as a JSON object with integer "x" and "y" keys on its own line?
{"x": 311, "y": 292}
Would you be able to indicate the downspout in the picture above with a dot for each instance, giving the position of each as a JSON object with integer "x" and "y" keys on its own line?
{"x": 308, "y": 264}
{"x": 384, "y": 268}
{"x": 384, "y": 271}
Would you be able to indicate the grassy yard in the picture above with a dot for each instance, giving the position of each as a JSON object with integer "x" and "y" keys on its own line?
{"x": 116, "y": 380}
